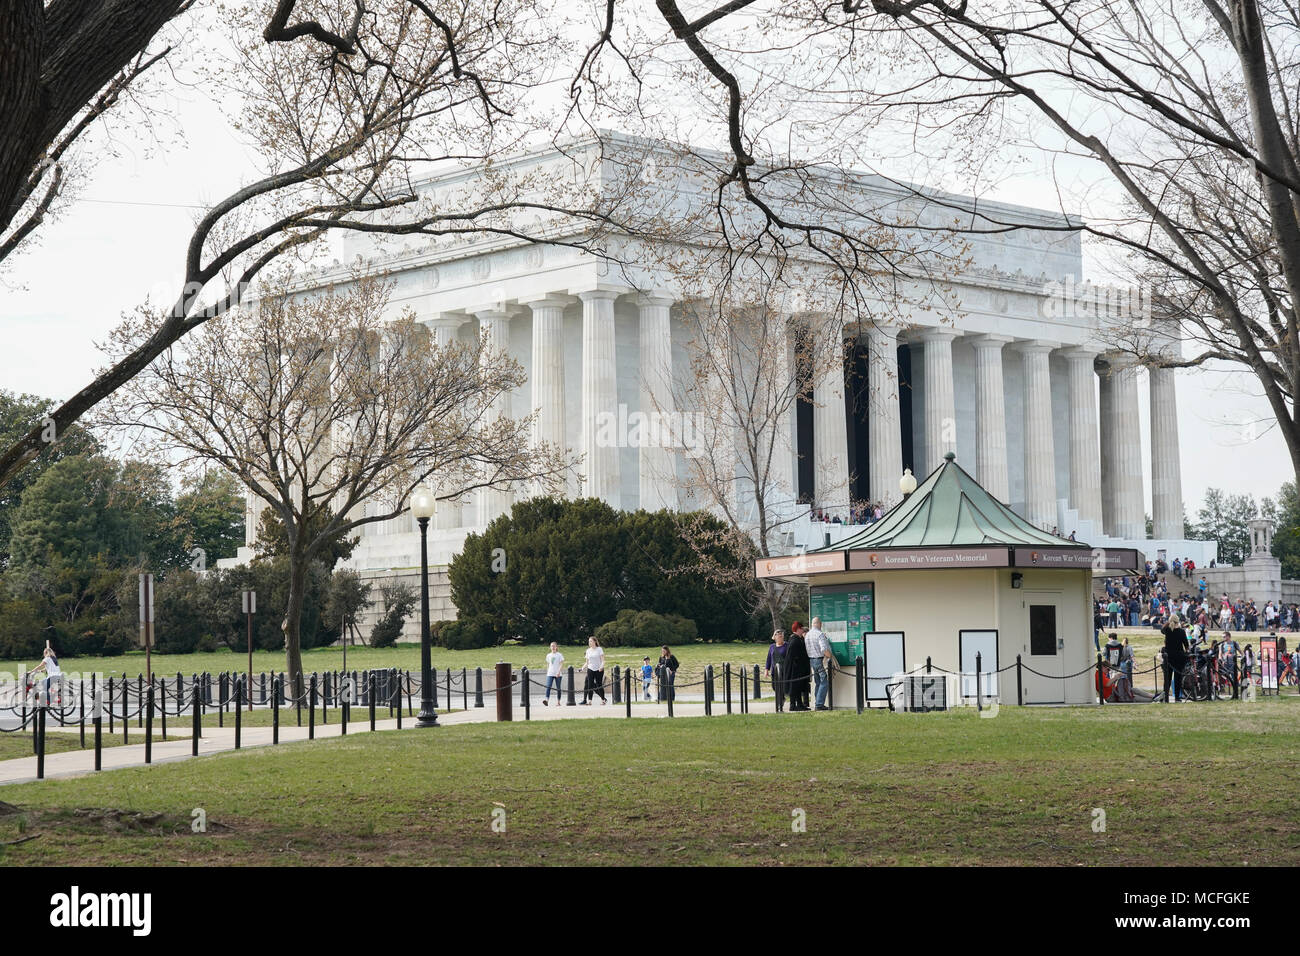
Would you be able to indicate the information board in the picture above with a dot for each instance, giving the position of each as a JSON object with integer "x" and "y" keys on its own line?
{"x": 847, "y": 611}
{"x": 1268, "y": 662}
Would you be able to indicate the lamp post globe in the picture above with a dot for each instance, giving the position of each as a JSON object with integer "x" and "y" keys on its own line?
{"x": 907, "y": 484}
{"x": 423, "y": 507}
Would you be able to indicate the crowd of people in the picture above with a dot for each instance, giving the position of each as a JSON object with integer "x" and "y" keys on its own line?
{"x": 1147, "y": 600}
{"x": 858, "y": 512}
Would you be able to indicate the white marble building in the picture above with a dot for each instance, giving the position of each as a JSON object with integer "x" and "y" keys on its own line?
{"x": 1014, "y": 378}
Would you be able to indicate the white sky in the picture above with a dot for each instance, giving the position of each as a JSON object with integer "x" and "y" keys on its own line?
{"x": 124, "y": 242}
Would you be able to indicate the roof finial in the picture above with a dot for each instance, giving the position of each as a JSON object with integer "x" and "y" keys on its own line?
{"x": 950, "y": 456}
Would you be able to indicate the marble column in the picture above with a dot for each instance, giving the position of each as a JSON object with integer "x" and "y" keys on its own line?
{"x": 445, "y": 328}
{"x": 885, "y": 457}
{"x": 548, "y": 379}
{"x": 657, "y": 462}
{"x": 990, "y": 417}
{"x": 783, "y": 390}
{"x": 600, "y": 439}
{"x": 494, "y": 329}
{"x": 1106, "y": 448}
{"x": 1126, "y": 444}
{"x": 1085, "y": 464}
{"x": 940, "y": 404}
{"x": 1040, "y": 452}
{"x": 830, "y": 425}
{"x": 1166, "y": 470}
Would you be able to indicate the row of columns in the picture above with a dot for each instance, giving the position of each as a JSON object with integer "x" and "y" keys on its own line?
{"x": 599, "y": 394}
{"x": 1104, "y": 449}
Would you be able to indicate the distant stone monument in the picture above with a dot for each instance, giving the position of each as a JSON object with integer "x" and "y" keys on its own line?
{"x": 1260, "y": 575}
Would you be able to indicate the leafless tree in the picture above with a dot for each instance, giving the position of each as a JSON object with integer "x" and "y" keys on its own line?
{"x": 320, "y": 404}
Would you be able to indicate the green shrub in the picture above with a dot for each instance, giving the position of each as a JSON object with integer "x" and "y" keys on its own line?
{"x": 399, "y": 599}
{"x": 467, "y": 634}
{"x": 646, "y": 629}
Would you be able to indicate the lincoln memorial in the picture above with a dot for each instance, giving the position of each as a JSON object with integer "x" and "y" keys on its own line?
{"x": 1014, "y": 375}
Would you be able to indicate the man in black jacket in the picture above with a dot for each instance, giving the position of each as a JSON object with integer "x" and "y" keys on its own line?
{"x": 1175, "y": 656}
{"x": 798, "y": 669}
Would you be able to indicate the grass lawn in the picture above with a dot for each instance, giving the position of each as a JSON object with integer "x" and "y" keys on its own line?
{"x": 1179, "y": 784}
{"x": 693, "y": 658}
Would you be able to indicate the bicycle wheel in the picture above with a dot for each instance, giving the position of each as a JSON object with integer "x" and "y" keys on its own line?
{"x": 1194, "y": 684}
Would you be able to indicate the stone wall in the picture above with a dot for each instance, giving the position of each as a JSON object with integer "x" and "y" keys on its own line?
{"x": 440, "y": 606}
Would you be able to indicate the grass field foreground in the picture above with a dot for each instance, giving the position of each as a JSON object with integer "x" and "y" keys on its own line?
{"x": 1174, "y": 784}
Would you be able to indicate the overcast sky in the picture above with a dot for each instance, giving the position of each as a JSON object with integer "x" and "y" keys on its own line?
{"x": 123, "y": 242}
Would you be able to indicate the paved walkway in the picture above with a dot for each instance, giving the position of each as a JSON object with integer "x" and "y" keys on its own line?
{"x": 76, "y": 763}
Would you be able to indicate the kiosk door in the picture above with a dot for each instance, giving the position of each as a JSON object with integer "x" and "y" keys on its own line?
{"x": 1044, "y": 648}
{"x": 984, "y": 643}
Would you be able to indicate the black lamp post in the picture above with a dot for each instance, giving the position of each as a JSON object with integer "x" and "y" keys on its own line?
{"x": 423, "y": 506}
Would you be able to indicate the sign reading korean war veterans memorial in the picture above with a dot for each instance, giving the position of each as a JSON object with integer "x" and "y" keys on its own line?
{"x": 847, "y": 612}
{"x": 923, "y": 558}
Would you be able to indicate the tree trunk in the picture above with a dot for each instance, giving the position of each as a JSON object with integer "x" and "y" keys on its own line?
{"x": 293, "y": 621}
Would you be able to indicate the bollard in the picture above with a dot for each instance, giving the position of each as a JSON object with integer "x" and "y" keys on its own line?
{"x": 464, "y": 688}
{"x": 297, "y": 698}
{"x": 162, "y": 687}
{"x": 324, "y": 697}
{"x": 504, "y": 699}
{"x": 148, "y": 733}
{"x": 126, "y": 721}
{"x": 433, "y": 677}
{"x": 221, "y": 700}
{"x": 758, "y": 687}
{"x": 261, "y": 679}
{"x": 726, "y": 676}
{"x": 744, "y": 695}
{"x": 99, "y": 734}
{"x": 708, "y": 690}
{"x": 859, "y": 687}
{"x": 38, "y": 736}
{"x": 196, "y": 719}
{"x": 280, "y": 698}
{"x": 81, "y": 716}
{"x": 449, "y": 690}
{"x": 275, "y": 711}
{"x": 627, "y": 691}
{"x": 478, "y": 687}
{"x": 668, "y": 679}
{"x": 526, "y": 681}
{"x": 830, "y": 684}
{"x": 311, "y": 709}
{"x": 979, "y": 702}
{"x": 139, "y": 696}
{"x": 617, "y": 688}
{"x": 370, "y": 697}
{"x": 1101, "y": 696}
{"x": 572, "y": 702}
{"x": 345, "y": 705}
{"x": 239, "y": 711}
{"x": 523, "y": 689}
{"x": 1020, "y": 687}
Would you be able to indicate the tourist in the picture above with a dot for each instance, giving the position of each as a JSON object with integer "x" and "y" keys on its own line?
{"x": 50, "y": 665}
{"x": 1126, "y": 661}
{"x": 1247, "y": 663}
{"x": 647, "y": 675}
{"x": 818, "y": 648}
{"x": 798, "y": 669}
{"x": 1114, "y": 610}
{"x": 667, "y": 671}
{"x": 595, "y": 668}
{"x": 1113, "y": 652}
{"x": 776, "y": 659}
{"x": 1175, "y": 657}
{"x": 554, "y": 665}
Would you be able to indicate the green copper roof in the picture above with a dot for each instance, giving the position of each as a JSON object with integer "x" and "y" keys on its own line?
{"x": 950, "y": 508}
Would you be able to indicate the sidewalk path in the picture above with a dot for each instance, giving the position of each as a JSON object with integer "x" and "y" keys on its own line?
{"x": 76, "y": 763}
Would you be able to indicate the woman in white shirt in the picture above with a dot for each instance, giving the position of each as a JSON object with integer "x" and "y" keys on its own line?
{"x": 595, "y": 683}
{"x": 554, "y": 667}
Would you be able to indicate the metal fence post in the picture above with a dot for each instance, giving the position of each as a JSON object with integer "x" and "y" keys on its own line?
{"x": 239, "y": 711}
{"x": 1101, "y": 683}
{"x": 525, "y": 682}
{"x": 370, "y": 697}
{"x": 275, "y": 711}
{"x": 1020, "y": 687}
{"x": 311, "y": 708}
{"x": 478, "y": 687}
{"x": 708, "y": 690}
{"x": 617, "y": 688}
{"x": 572, "y": 701}
{"x": 148, "y": 733}
{"x": 979, "y": 702}
{"x": 627, "y": 690}
{"x": 39, "y": 724}
{"x": 726, "y": 676}
{"x": 859, "y": 686}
